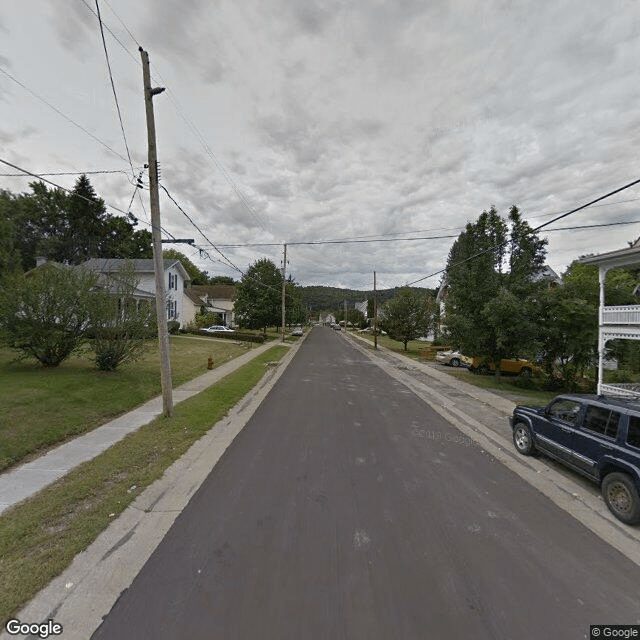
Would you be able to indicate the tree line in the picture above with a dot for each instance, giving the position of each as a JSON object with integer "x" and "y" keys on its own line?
{"x": 499, "y": 303}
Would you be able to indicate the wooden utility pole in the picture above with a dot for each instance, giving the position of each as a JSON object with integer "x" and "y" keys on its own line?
{"x": 284, "y": 273}
{"x": 158, "y": 263}
{"x": 375, "y": 313}
{"x": 345, "y": 315}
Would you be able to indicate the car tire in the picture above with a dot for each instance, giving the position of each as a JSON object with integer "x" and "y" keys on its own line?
{"x": 522, "y": 439}
{"x": 621, "y": 496}
{"x": 525, "y": 372}
{"x": 455, "y": 362}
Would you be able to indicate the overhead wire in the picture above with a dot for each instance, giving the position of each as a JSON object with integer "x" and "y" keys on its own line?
{"x": 60, "y": 113}
{"x": 35, "y": 175}
{"x": 178, "y": 107}
{"x": 66, "y": 173}
{"x": 113, "y": 88}
{"x": 535, "y": 230}
{"x": 211, "y": 244}
{"x": 127, "y": 214}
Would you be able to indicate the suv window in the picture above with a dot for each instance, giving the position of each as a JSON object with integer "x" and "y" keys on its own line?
{"x": 603, "y": 421}
{"x": 633, "y": 437}
{"x": 566, "y": 410}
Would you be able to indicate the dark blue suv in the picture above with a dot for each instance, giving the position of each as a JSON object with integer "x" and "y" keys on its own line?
{"x": 597, "y": 436}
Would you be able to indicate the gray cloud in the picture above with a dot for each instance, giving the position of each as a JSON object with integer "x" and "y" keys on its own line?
{"x": 75, "y": 27}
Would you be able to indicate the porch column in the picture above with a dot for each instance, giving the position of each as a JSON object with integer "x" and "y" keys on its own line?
{"x": 602, "y": 273}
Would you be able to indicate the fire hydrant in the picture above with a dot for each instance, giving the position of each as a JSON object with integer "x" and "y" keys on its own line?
{"x": 210, "y": 363}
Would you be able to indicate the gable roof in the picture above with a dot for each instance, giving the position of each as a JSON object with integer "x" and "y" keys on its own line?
{"x": 141, "y": 265}
{"x": 215, "y": 291}
{"x": 194, "y": 297}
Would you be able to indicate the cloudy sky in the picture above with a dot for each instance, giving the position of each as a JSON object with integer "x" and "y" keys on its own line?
{"x": 313, "y": 120}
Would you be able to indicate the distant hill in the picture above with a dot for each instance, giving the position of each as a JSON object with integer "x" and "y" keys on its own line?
{"x": 317, "y": 298}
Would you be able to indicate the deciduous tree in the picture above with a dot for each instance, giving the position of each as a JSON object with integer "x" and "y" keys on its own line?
{"x": 408, "y": 316}
{"x": 258, "y": 300}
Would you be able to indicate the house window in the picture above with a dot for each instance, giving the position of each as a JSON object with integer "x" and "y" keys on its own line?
{"x": 172, "y": 309}
{"x": 173, "y": 281}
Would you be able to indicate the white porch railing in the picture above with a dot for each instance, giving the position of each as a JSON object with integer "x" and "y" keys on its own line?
{"x": 621, "y": 390}
{"x": 627, "y": 314}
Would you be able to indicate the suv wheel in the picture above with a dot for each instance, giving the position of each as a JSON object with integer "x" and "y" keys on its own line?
{"x": 455, "y": 362}
{"x": 621, "y": 496}
{"x": 522, "y": 439}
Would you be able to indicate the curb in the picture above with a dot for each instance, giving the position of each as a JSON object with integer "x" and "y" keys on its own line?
{"x": 87, "y": 589}
{"x": 25, "y": 480}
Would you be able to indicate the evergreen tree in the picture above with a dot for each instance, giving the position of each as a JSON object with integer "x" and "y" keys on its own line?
{"x": 491, "y": 310}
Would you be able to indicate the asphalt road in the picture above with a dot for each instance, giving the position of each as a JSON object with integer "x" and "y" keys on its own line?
{"x": 348, "y": 509}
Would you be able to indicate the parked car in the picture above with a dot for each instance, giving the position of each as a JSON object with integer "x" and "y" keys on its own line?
{"x": 297, "y": 331}
{"x": 518, "y": 366}
{"x": 451, "y": 357}
{"x": 596, "y": 436}
{"x": 336, "y": 327}
{"x": 216, "y": 328}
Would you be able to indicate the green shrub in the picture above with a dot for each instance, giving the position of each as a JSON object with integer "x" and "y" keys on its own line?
{"x": 173, "y": 326}
{"x": 44, "y": 313}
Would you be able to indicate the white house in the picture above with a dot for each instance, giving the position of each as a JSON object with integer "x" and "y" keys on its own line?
{"x": 615, "y": 322}
{"x": 362, "y": 307}
{"x": 175, "y": 279}
{"x": 327, "y": 318}
{"x": 216, "y": 298}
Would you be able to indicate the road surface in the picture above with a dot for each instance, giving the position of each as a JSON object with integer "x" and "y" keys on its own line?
{"x": 348, "y": 509}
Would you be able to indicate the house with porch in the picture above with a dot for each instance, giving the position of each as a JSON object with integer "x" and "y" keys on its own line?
{"x": 616, "y": 322}
{"x": 175, "y": 280}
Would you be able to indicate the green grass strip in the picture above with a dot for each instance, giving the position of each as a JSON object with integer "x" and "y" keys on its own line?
{"x": 40, "y": 537}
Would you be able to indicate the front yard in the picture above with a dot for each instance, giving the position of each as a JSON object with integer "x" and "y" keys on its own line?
{"x": 509, "y": 387}
{"x": 41, "y": 407}
{"x": 40, "y": 536}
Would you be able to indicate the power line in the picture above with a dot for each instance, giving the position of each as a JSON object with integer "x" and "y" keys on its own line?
{"x": 113, "y": 35}
{"x": 66, "y": 173}
{"x": 239, "y": 193}
{"x": 203, "y": 251}
{"x": 35, "y": 175}
{"x": 347, "y": 241}
{"x": 127, "y": 214}
{"x": 188, "y": 217}
{"x": 560, "y": 217}
{"x": 123, "y": 25}
{"x": 67, "y": 118}
{"x": 113, "y": 87}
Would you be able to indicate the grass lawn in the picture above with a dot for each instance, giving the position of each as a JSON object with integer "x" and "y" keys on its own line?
{"x": 413, "y": 346}
{"x": 507, "y": 387}
{"x": 40, "y": 407}
{"x": 40, "y": 536}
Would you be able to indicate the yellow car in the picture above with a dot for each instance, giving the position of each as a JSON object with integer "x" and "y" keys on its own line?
{"x": 517, "y": 366}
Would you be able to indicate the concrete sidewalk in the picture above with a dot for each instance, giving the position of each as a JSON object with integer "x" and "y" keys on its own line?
{"x": 482, "y": 416}
{"x": 503, "y": 405}
{"x": 25, "y": 480}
